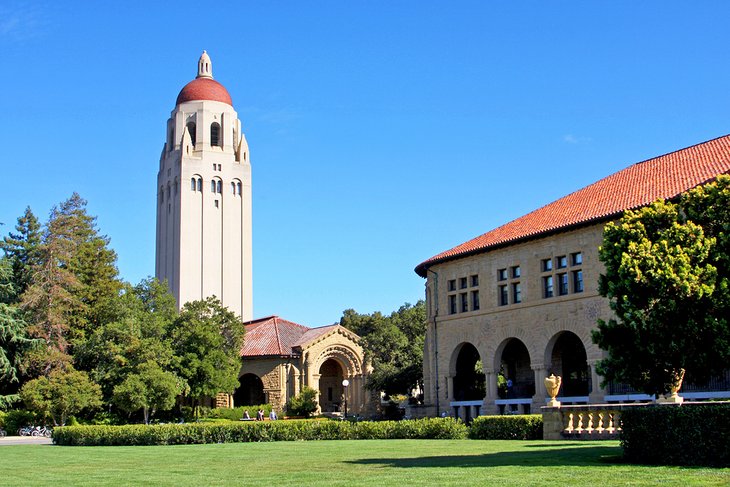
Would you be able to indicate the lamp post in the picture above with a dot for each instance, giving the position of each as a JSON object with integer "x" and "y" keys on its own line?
{"x": 345, "y": 383}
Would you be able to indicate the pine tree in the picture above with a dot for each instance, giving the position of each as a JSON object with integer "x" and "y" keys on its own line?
{"x": 22, "y": 249}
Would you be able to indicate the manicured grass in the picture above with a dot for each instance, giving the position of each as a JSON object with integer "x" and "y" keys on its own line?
{"x": 346, "y": 463}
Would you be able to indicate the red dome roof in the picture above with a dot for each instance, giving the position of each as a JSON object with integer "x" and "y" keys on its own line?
{"x": 204, "y": 89}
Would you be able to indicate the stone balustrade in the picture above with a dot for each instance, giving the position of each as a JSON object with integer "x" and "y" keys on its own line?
{"x": 584, "y": 422}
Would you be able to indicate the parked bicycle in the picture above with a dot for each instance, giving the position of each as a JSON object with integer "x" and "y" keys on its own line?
{"x": 35, "y": 431}
{"x": 3, "y": 433}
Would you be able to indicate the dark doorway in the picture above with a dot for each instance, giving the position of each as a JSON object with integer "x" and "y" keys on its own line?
{"x": 469, "y": 381}
{"x": 250, "y": 392}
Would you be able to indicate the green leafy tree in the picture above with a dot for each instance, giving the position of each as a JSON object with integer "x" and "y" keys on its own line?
{"x": 304, "y": 403}
{"x": 394, "y": 346}
{"x": 150, "y": 388}
{"x": 143, "y": 314}
{"x": 207, "y": 339}
{"x": 60, "y": 394}
{"x": 22, "y": 248}
{"x": 662, "y": 283}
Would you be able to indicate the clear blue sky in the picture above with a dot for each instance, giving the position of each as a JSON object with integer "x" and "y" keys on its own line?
{"x": 381, "y": 132}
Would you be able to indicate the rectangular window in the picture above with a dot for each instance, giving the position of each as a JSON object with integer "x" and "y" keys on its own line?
{"x": 547, "y": 265}
{"x": 501, "y": 274}
{"x": 216, "y": 203}
{"x": 474, "y": 281}
{"x": 562, "y": 261}
{"x": 516, "y": 292}
{"x": 563, "y": 284}
{"x": 503, "y": 297}
{"x": 474, "y": 300}
{"x": 547, "y": 287}
{"x": 577, "y": 281}
{"x": 516, "y": 272}
{"x": 452, "y": 304}
{"x": 452, "y": 285}
{"x": 576, "y": 258}
{"x": 462, "y": 283}
{"x": 464, "y": 302}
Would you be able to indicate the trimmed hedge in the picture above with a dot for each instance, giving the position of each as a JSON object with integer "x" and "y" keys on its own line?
{"x": 690, "y": 434}
{"x": 195, "y": 433}
{"x": 517, "y": 427}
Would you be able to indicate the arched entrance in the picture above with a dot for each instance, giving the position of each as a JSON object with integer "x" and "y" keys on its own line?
{"x": 250, "y": 392}
{"x": 568, "y": 360}
{"x": 519, "y": 379}
{"x": 469, "y": 380}
{"x": 330, "y": 386}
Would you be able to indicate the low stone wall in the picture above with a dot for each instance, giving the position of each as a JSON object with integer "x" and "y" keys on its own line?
{"x": 584, "y": 422}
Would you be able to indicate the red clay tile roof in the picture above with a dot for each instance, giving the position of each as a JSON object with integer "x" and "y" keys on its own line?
{"x": 271, "y": 336}
{"x": 204, "y": 89}
{"x": 274, "y": 336}
{"x": 663, "y": 177}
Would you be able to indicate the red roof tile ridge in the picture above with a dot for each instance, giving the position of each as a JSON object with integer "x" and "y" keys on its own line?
{"x": 639, "y": 184}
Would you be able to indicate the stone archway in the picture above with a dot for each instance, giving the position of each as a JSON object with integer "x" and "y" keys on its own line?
{"x": 514, "y": 365}
{"x": 331, "y": 391}
{"x": 469, "y": 382}
{"x": 568, "y": 359}
{"x": 250, "y": 391}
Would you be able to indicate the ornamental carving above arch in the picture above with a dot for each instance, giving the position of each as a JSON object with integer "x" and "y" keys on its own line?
{"x": 344, "y": 355}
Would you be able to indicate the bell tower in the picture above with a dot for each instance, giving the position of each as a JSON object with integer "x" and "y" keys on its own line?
{"x": 204, "y": 199}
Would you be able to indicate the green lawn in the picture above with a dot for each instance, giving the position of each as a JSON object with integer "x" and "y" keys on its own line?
{"x": 373, "y": 463}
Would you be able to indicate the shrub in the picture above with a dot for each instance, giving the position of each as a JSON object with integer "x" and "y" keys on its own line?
{"x": 517, "y": 427}
{"x": 17, "y": 418}
{"x": 304, "y": 404}
{"x": 677, "y": 435}
{"x": 175, "y": 434}
{"x": 2, "y": 419}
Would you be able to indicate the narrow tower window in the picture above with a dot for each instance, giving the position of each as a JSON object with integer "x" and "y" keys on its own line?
{"x": 212, "y": 186}
{"x": 192, "y": 184}
{"x": 200, "y": 184}
{"x": 191, "y": 131}
{"x": 238, "y": 186}
{"x": 219, "y": 186}
{"x": 215, "y": 133}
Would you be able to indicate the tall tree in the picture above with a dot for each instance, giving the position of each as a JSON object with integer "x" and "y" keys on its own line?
{"x": 207, "y": 339}
{"x": 138, "y": 334}
{"x": 22, "y": 249}
{"x": 150, "y": 389}
{"x": 14, "y": 340}
{"x": 663, "y": 285}
{"x": 394, "y": 346}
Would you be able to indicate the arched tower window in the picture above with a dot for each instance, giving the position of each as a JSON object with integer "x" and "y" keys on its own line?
{"x": 238, "y": 187}
{"x": 215, "y": 134}
{"x": 212, "y": 186}
{"x": 216, "y": 186}
{"x": 200, "y": 184}
{"x": 192, "y": 184}
{"x": 191, "y": 131}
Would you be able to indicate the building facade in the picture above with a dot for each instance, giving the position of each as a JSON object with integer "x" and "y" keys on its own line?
{"x": 512, "y": 306}
{"x": 204, "y": 199}
{"x": 281, "y": 357}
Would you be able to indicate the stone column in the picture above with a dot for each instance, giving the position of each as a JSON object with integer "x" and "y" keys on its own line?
{"x": 488, "y": 406}
{"x": 315, "y": 385}
{"x": 538, "y": 400}
{"x": 597, "y": 394}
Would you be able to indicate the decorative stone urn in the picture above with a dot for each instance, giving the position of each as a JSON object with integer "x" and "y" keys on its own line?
{"x": 552, "y": 386}
{"x": 672, "y": 397}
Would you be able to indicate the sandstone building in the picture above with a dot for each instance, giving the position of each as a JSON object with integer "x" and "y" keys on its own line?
{"x": 280, "y": 357}
{"x": 520, "y": 301}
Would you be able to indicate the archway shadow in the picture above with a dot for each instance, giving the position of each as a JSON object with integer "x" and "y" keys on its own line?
{"x": 545, "y": 457}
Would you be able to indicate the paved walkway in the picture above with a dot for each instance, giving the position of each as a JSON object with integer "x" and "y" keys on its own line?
{"x": 25, "y": 440}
